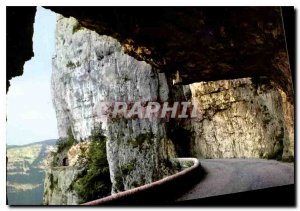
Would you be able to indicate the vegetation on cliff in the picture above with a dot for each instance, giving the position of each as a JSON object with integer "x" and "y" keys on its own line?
{"x": 66, "y": 144}
{"x": 94, "y": 181}
{"x": 63, "y": 145}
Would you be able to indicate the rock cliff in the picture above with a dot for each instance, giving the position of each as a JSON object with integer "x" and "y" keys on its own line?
{"x": 242, "y": 118}
{"x": 57, "y": 186}
{"x": 89, "y": 69}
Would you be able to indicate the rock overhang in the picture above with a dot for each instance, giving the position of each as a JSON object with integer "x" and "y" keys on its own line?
{"x": 200, "y": 43}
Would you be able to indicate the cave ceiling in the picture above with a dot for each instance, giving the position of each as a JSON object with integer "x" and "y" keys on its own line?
{"x": 198, "y": 43}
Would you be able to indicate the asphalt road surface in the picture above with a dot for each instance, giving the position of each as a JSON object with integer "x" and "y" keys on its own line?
{"x": 225, "y": 176}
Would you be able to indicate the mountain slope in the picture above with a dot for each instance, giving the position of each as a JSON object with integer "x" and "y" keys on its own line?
{"x": 25, "y": 172}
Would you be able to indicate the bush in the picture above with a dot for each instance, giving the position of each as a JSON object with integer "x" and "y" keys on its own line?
{"x": 51, "y": 181}
{"x": 63, "y": 145}
{"x": 288, "y": 159}
{"x": 66, "y": 144}
{"x": 94, "y": 182}
{"x": 76, "y": 28}
{"x": 127, "y": 168}
{"x": 262, "y": 81}
{"x": 119, "y": 185}
{"x": 71, "y": 65}
{"x": 276, "y": 154}
{"x": 141, "y": 139}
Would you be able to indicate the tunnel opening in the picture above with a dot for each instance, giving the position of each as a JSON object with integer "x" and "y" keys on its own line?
{"x": 65, "y": 162}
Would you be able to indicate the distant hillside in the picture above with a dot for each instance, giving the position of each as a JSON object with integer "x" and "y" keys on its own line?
{"x": 46, "y": 142}
{"x": 25, "y": 172}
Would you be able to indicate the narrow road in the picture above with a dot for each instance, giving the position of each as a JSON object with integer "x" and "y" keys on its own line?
{"x": 225, "y": 176}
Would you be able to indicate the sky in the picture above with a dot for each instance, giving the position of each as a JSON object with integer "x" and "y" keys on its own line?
{"x": 30, "y": 112}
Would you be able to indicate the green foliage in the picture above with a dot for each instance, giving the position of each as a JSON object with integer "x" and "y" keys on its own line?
{"x": 63, "y": 145}
{"x": 138, "y": 183}
{"x": 127, "y": 168}
{"x": 172, "y": 164}
{"x": 119, "y": 186}
{"x": 188, "y": 164}
{"x": 273, "y": 156}
{"x": 76, "y": 28}
{"x": 55, "y": 160}
{"x": 141, "y": 139}
{"x": 94, "y": 182}
{"x": 71, "y": 65}
{"x": 126, "y": 78}
{"x": 176, "y": 165}
{"x": 278, "y": 147}
{"x": 51, "y": 181}
{"x": 288, "y": 159}
{"x": 66, "y": 144}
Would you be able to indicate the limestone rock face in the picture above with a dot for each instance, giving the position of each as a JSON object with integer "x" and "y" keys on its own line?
{"x": 77, "y": 154}
{"x": 288, "y": 114}
{"x": 89, "y": 69}
{"x": 242, "y": 119}
{"x": 57, "y": 186}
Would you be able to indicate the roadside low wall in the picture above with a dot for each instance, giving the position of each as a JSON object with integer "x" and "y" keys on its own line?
{"x": 161, "y": 192}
